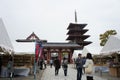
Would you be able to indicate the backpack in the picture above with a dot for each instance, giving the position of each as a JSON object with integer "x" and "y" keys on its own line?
{"x": 64, "y": 64}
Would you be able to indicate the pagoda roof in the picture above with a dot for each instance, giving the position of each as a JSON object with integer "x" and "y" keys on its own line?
{"x": 85, "y": 43}
{"x": 71, "y": 25}
{"x": 72, "y": 37}
{"x": 77, "y": 30}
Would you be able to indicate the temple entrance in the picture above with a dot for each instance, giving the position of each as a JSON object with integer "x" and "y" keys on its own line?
{"x": 54, "y": 55}
{"x": 65, "y": 54}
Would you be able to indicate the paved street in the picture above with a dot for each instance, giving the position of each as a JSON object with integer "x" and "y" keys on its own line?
{"x": 49, "y": 74}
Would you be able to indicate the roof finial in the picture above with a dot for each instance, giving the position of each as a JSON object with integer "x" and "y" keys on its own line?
{"x": 75, "y": 16}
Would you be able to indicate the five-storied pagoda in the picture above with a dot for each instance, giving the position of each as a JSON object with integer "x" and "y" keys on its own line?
{"x": 76, "y": 33}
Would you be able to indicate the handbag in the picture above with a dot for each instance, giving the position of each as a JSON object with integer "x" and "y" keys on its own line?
{"x": 88, "y": 69}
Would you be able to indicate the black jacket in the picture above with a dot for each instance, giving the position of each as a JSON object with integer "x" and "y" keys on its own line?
{"x": 57, "y": 63}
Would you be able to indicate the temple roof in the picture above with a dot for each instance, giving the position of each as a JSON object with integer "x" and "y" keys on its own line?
{"x": 33, "y": 36}
{"x": 61, "y": 45}
{"x": 25, "y": 40}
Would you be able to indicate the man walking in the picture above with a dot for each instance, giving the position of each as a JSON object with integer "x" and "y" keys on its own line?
{"x": 51, "y": 62}
{"x": 79, "y": 66}
{"x": 57, "y": 65}
{"x": 65, "y": 65}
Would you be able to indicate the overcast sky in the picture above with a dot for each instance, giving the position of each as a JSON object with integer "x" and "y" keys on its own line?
{"x": 49, "y": 19}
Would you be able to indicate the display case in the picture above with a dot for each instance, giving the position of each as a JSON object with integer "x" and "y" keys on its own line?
{"x": 114, "y": 71}
{"x": 18, "y": 60}
{"x": 115, "y": 66}
{"x": 22, "y": 60}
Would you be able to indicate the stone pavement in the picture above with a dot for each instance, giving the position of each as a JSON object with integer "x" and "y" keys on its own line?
{"x": 49, "y": 74}
{"x": 30, "y": 77}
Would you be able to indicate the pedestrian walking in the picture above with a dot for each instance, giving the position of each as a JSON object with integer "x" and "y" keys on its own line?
{"x": 65, "y": 65}
{"x": 51, "y": 63}
{"x": 57, "y": 65}
{"x": 89, "y": 66}
{"x": 41, "y": 63}
{"x": 45, "y": 64}
{"x": 10, "y": 67}
{"x": 79, "y": 66}
{"x": 84, "y": 60}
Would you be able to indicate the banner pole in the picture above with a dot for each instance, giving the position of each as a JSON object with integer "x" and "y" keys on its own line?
{"x": 38, "y": 52}
{"x": 35, "y": 63}
{"x": 34, "y": 70}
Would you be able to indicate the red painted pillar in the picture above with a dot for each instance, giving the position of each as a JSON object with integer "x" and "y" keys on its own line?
{"x": 70, "y": 53}
{"x": 48, "y": 56}
{"x": 60, "y": 55}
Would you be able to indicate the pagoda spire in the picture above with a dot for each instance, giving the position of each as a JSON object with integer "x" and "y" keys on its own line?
{"x": 76, "y": 33}
{"x": 75, "y": 16}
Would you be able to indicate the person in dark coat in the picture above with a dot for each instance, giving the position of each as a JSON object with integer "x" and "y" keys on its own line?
{"x": 57, "y": 65}
{"x": 65, "y": 65}
{"x": 79, "y": 66}
{"x": 41, "y": 63}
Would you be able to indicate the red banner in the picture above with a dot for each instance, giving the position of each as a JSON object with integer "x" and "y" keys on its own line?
{"x": 38, "y": 50}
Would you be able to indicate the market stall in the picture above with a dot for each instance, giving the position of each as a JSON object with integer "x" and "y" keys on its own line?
{"x": 6, "y": 48}
{"x": 112, "y": 48}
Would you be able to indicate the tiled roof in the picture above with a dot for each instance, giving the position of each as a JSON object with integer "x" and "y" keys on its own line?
{"x": 71, "y": 25}
{"x": 61, "y": 45}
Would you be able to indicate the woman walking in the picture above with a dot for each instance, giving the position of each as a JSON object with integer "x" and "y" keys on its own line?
{"x": 89, "y": 66}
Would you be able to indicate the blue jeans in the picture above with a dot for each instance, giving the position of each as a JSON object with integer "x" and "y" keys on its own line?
{"x": 79, "y": 73}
